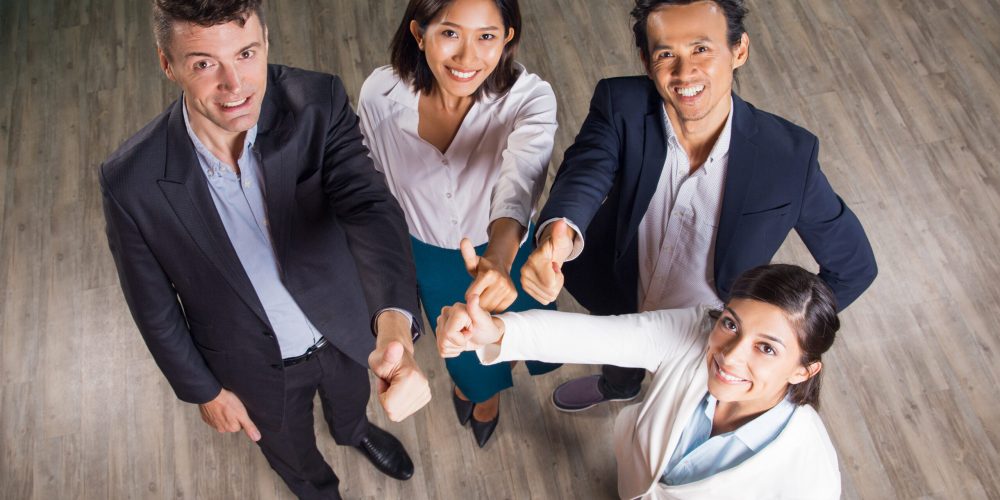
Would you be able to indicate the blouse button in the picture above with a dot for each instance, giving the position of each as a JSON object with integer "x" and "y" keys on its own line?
{"x": 447, "y": 195}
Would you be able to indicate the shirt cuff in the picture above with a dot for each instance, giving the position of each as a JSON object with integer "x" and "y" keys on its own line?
{"x": 415, "y": 330}
{"x": 577, "y": 242}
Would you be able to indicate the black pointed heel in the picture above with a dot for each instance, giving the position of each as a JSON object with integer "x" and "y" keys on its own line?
{"x": 463, "y": 408}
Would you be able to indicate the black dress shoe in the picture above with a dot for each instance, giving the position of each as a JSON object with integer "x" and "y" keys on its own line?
{"x": 484, "y": 430}
{"x": 463, "y": 408}
{"x": 386, "y": 453}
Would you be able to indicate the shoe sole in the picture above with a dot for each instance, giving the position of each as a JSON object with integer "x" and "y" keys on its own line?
{"x": 577, "y": 410}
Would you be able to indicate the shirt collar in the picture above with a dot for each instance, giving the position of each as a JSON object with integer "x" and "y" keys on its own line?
{"x": 760, "y": 431}
{"x": 210, "y": 163}
{"x": 721, "y": 147}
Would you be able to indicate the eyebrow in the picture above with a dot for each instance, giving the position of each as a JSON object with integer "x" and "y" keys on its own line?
{"x": 733, "y": 314}
{"x": 206, "y": 54}
{"x": 694, "y": 42}
{"x": 772, "y": 338}
{"x": 485, "y": 28}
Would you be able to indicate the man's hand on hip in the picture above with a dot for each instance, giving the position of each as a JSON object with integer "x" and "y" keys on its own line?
{"x": 402, "y": 387}
{"x": 226, "y": 413}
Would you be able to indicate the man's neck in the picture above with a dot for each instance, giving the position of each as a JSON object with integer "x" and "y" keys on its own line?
{"x": 226, "y": 146}
{"x": 698, "y": 137}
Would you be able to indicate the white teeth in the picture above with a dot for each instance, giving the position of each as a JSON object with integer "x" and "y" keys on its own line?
{"x": 727, "y": 376}
{"x": 233, "y": 104}
{"x": 463, "y": 76}
{"x": 690, "y": 91}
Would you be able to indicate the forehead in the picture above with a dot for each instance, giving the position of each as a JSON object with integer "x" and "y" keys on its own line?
{"x": 471, "y": 13}
{"x": 761, "y": 318}
{"x": 218, "y": 39}
{"x": 679, "y": 24}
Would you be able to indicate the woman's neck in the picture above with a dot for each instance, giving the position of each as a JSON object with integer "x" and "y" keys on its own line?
{"x": 731, "y": 415}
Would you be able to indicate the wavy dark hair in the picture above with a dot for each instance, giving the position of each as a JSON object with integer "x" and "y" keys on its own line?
{"x": 201, "y": 12}
{"x": 410, "y": 63}
{"x": 810, "y": 307}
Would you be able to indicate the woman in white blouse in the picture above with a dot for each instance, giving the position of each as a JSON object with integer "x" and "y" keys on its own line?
{"x": 730, "y": 412}
{"x": 464, "y": 136}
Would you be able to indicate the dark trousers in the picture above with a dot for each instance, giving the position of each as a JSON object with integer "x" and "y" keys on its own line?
{"x": 343, "y": 391}
{"x": 619, "y": 383}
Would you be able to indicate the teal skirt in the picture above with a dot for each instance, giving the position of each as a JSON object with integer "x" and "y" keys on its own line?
{"x": 443, "y": 280}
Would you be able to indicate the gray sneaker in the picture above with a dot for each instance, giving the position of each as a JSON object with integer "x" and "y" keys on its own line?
{"x": 580, "y": 394}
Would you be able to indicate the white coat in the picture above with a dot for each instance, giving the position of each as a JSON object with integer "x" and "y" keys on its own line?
{"x": 800, "y": 463}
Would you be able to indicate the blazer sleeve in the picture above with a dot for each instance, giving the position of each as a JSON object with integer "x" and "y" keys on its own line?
{"x": 642, "y": 340}
{"x": 589, "y": 166}
{"x": 370, "y": 215}
{"x": 155, "y": 308}
{"x": 525, "y": 160}
{"x": 835, "y": 237}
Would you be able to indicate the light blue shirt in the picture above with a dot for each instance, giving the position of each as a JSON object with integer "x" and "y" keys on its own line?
{"x": 699, "y": 454}
{"x": 240, "y": 201}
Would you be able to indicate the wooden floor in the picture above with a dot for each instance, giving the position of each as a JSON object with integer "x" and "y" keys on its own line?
{"x": 903, "y": 94}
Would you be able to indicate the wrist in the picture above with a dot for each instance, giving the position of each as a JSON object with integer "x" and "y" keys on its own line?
{"x": 501, "y": 329}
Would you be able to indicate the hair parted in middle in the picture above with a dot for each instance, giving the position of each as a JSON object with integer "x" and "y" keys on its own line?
{"x": 410, "y": 63}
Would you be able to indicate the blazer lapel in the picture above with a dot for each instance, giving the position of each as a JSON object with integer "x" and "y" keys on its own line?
{"x": 654, "y": 154}
{"x": 739, "y": 175}
{"x": 184, "y": 186}
{"x": 279, "y": 178}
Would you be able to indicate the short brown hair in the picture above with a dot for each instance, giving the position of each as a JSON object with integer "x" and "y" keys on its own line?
{"x": 410, "y": 63}
{"x": 201, "y": 12}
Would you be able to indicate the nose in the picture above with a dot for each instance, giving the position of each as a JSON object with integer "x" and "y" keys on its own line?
{"x": 230, "y": 81}
{"x": 682, "y": 67}
{"x": 465, "y": 53}
{"x": 734, "y": 350}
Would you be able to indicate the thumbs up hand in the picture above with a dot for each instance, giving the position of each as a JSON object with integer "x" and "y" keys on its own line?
{"x": 541, "y": 276}
{"x": 491, "y": 281}
{"x": 466, "y": 327}
{"x": 402, "y": 387}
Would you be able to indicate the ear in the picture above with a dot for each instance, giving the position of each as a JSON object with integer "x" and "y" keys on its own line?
{"x": 165, "y": 64}
{"x": 417, "y": 33}
{"x": 510, "y": 36}
{"x": 804, "y": 373}
{"x": 742, "y": 51}
{"x": 267, "y": 43}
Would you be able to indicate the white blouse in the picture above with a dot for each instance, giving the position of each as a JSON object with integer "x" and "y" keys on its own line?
{"x": 495, "y": 167}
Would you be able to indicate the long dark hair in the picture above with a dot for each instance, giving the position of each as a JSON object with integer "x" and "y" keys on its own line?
{"x": 410, "y": 63}
{"x": 810, "y": 307}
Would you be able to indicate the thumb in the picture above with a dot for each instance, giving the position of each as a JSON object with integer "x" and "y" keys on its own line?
{"x": 469, "y": 256}
{"x": 476, "y": 313}
{"x": 390, "y": 359}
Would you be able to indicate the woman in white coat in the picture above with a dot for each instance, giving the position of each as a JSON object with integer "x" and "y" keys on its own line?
{"x": 730, "y": 412}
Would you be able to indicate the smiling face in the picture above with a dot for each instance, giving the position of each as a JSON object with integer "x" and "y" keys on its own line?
{"x": 691, "y": 61}
{"x": 754, "y": 354}
{"x": 463, "y": 45}
{"x": 222, "y": 70}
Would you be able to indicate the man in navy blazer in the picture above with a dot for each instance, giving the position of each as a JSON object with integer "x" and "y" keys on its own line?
{"x": 258, "y": 249}
{"x": 679, "y": 186}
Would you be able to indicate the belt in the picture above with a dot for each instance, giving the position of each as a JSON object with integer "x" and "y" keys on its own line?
{"x": 313, "y": 349}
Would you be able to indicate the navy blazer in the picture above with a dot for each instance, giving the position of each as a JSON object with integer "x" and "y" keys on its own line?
{"x": 773, "y": 184}
{"x": 339, "y": 237}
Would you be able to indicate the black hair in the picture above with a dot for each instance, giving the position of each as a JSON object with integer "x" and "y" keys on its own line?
{"x": 734, "y": 10}
{"x": 811, "y": 308}
{"x": 410, "y": 63}
{"x": 202, "y": 13}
